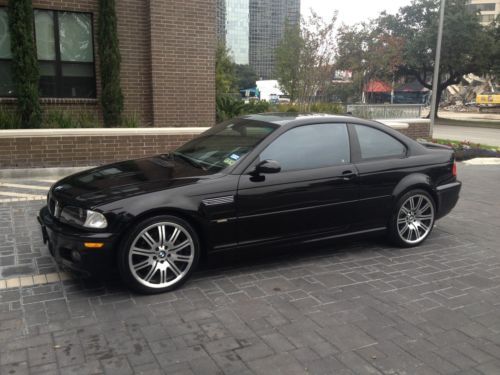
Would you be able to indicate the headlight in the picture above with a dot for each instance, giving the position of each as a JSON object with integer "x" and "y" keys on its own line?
{"x": 84, "y": 218}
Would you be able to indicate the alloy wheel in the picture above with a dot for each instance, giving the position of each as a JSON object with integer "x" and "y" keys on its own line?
{"x": 415, "y": 218}
{"x": 161, "y": 255}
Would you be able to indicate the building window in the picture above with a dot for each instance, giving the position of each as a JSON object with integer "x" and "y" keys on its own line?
{"x": 6, "y": 83}
{"x": 65, "y": 54}
{"x": 486, "y": 7}
{"x": 486, "y": 18}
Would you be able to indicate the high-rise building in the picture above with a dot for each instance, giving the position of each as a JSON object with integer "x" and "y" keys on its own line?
{"x": 252, "y": 29}
{"x": 268, "y": 19}
{"x": 489, "y": 10}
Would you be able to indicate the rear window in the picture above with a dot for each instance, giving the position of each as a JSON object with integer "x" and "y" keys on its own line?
{"x": 377, "y": 144}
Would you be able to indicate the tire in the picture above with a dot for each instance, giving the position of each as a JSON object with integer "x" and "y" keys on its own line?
{"x": 412, "y": 219}
{"x": 159, "y": 254}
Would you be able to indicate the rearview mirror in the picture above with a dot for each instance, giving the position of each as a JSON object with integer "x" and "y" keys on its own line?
{"x": 266, "y": 167}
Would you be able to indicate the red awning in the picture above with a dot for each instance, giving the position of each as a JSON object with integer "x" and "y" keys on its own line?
{"x": 378, "y": 87}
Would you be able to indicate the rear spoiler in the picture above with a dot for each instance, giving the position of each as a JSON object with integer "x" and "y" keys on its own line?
{"x": 431, "y": 145}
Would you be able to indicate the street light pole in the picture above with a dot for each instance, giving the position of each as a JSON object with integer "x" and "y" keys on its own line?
{"x": 437, "y": 61}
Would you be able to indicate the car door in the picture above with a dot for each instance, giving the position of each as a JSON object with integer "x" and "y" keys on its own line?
{"x": 313, "y": 194}
{"x": 380, "y": 160}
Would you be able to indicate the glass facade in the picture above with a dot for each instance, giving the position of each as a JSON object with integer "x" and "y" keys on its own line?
{"x": 252, "y": 29}
{"x": 237, "y": 29}
{"x": 267, "y": 26}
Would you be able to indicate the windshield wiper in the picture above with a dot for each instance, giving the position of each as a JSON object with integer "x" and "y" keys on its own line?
{"x": 187, "y": 159}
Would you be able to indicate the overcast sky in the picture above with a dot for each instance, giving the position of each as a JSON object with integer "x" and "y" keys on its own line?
{"x": 352, "y": 11}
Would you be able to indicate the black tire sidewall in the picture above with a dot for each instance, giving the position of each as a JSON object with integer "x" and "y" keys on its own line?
{"x": 393, "y": 228}
{"x": 126, "y": 243}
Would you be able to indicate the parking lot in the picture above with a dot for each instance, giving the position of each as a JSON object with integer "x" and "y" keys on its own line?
{"x": 349, "y": 307}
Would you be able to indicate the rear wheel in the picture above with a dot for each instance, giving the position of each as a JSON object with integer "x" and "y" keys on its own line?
{"x": 159, "y": 254}
{"x": 413, "y": 219}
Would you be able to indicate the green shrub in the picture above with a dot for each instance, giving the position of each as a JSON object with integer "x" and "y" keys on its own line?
{"x": 9, "y": 119}
{"x": 228, "y": 106}
{"x": 110, "y": 59}
{"x": 330, "y": 108}
{"x": 24, "y": 62}
{"x": 131, "y": 121}
{"x": 63, "y": 120}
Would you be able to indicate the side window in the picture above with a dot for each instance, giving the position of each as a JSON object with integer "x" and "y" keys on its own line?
{"x": 377, "y": 144}
{"x": 310, "y": 146}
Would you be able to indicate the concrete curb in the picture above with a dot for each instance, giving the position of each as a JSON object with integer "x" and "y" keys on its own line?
{"x": 40, "y": 172}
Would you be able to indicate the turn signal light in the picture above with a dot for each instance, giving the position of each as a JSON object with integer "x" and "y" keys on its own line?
{"x": 454, "y": 169}
{"x": 93, "y": 245}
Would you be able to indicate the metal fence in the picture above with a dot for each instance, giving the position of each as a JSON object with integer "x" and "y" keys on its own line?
{"x": 385, "y": 111}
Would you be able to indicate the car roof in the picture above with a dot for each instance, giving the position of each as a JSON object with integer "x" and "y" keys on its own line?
{"x": 285, "y": 118}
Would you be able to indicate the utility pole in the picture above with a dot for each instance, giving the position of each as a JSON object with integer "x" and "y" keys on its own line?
{"x": 437, "y": 61}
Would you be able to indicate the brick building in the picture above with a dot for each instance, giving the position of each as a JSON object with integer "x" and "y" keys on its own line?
{"x": 168, "y": 58}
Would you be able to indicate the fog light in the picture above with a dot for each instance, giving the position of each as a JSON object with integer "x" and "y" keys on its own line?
{"x": 75, "y": 255}
{"x": 93, "y": 245}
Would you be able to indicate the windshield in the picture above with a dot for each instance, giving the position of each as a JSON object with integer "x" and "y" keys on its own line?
{"x": 223, "y": 145}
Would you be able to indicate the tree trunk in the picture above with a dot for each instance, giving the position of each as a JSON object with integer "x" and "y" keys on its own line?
{"x": 439, "y": 94}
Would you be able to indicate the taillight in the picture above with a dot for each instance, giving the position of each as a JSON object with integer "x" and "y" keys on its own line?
{"x": 454, "y": 169}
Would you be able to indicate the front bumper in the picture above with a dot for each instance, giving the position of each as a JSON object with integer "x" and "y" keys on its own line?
{"x": 447, "y": 198}
{"x": 66, "y": 244}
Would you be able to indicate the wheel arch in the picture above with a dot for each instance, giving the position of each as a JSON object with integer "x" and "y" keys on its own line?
{"x": 414, "y": 181}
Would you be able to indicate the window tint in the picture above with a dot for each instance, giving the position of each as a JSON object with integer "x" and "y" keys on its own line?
{"x": 377, "y": 144}
{"x": 311, "y": 146}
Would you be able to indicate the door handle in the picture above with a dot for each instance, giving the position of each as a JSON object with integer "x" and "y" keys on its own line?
{"x": 348, "y": 175}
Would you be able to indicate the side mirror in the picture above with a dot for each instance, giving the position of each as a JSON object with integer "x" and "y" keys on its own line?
{"x": 266, "y": 167}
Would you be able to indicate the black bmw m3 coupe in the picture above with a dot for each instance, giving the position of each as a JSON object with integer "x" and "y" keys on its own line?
{"x": 254, "y": 181}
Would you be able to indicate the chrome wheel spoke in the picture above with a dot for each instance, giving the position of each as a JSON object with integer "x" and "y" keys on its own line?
{"x": 164, "y": 262}
{"x": 142, "y": 265}
{"x": 174, "y": 236}
{"x": 181, "y": 246}
{"x": 424, "y": 217}
{"x": 161, "y": 235}
{"x": 423, "y": 209}
{"x": 163, "y": 276}
{"x": 174, "y": 268}
{"x": 181, "y": 258}
{"x": 151, "y": 272}
{"x": 143, "y": 252}
{"x": 149, "y": 240}
{"x": 423, "y": 226}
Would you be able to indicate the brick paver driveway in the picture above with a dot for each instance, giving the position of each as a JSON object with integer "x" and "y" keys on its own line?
{"x": 353, "y": 307}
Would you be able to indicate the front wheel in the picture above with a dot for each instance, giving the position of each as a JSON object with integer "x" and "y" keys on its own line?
{"x": 159, "y": 254}
{"x": 413, "y": 219}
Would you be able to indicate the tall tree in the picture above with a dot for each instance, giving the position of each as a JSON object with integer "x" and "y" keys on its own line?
{"x": 110, "y": 60}
{"x": 466, "y": 47}
{"x": 245, "y": 76}
{"x": 494, "y": 29}
{"x": 24, "y": 62}
{"x": 304, "y": 59}
{"x": 225, "y": 79}
{"x": 370, "y": 53}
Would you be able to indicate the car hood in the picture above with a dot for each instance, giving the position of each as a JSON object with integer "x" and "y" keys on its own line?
{"x": 124, "y": 179}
